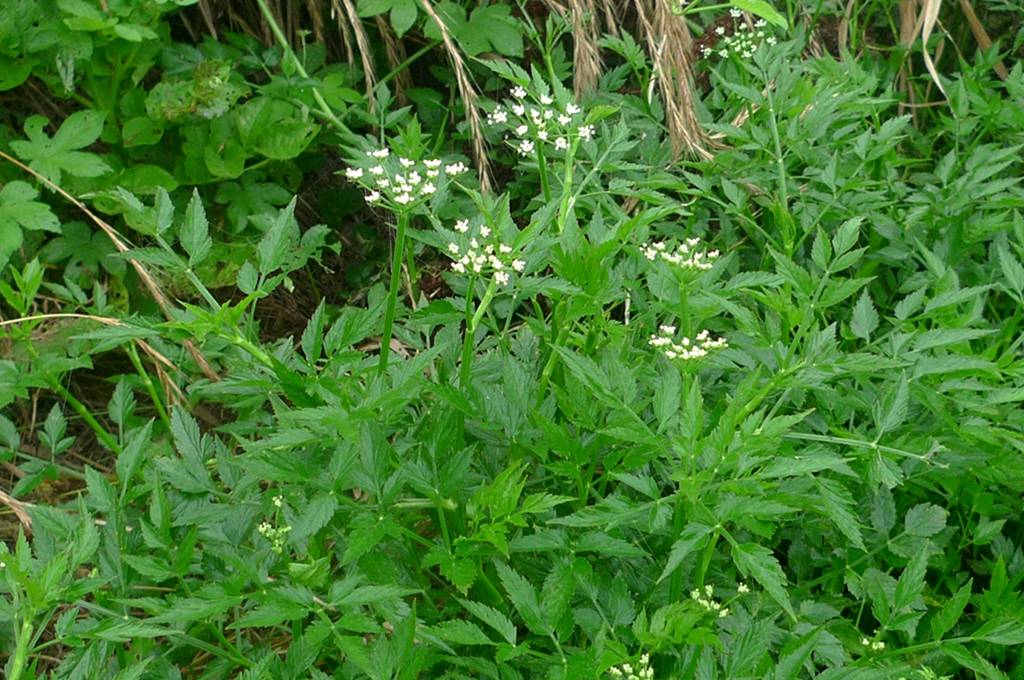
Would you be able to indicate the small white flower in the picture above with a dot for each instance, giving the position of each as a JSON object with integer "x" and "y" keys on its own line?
{"x": 353, "y": 173}
{"x": 720, "y": 30}
{"x": 427, "y": 189}
{"x": 453, "y": 248}
{"x": 542, "y": 135}
{"x": 373, "y": 197}
{"x": 432, "y": 163}
{"x": 572, "y": 109}
{"x": 742, "y": 588}
{"x": 518, "y": 109}
{"x": 383, "y": 183}
{"x": 518, "y": 92}
{"x": 519, "y": 265}
{"x": 377, "y": 170}
{"x": 526, "y": 147}
{"x": 403, "y": 199}
{"x": 535, "y": 116}
{"x": 462, "y": 226}
{"x": 561, "y": 144}
{"x": 502, "y": 278}
{"x": 522, "y": 130}
{"x": 381, "y": 153}
{"x": 414, "y": 178}
{"x": 586, "y": 132}
{"x": 546, "y": 100}
{"x": 406, "y": 163}
{"x": 485, "y": 231}
{"x": 278, "y": 501}
{"x": 455, "y": 168}
{"x": 433, "y": 173}
{"x": 564, "y": 119}
{"x": 735, "y": 13}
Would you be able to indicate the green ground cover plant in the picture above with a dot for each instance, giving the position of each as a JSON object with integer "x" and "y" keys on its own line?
{"x": 396, "y": 339}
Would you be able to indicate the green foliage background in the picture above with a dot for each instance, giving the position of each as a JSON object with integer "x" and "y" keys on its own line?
{"x": 217, "y": 465}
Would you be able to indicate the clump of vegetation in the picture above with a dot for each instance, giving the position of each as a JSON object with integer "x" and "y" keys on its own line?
{"x": 397, "y": 339}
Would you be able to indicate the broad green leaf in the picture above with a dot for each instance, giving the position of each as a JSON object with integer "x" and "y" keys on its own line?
{"x": 274, "y": 246}
{"x": 690, "y": 539}
{"x": 194, "y": 234}
{"x": 865, "y": 319}
{"x": 53, "y": 156}
{"x": 758, "y": 562}
{"x": 524, "y": 598}
{"x": 951, "y": 611}
{"x": 762, "y": 9}
{"x": 925, "y": 519}
{"x": 493, "y": 618}
{"x": 837, "y": 504}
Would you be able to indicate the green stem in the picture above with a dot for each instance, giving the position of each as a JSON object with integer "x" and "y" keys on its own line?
{"x": 21, "y": 650}
{"x": 105, "y": 437}
{"x": 542, "y": 167}
{"x": 147, "y": 382}
{"x": 393, "y": 290}
{"x": 684, "y": 309}
{"x": 472, "y": 323}
{"x": 282, "y": 41}
{"x": 567, "y": 197}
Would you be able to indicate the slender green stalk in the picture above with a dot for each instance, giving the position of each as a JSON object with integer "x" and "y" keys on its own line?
{"x": 542, "y": 167}
{"x": 21, "y": 650}
{"x": 105, "y": 437}
{"x": 472, "y": 324}
{"x": 282, "y": 41}
{"x": 393, "y": 291}
{"x": 147, "y": 382}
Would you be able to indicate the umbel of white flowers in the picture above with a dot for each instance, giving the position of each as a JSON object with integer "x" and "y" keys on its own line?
{"x": 398, "y": 182}
{"x": 538, "y": 121}
{"x": 744, "y": 42}
{"x": 685, "y": 255}
{"x": 685, "y": 348}
{"x": 642, "y": 671}
{"x": 480, "y": 252}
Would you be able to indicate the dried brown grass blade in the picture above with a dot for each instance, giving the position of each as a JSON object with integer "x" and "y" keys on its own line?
{"x": 363, "y": 42}
{"x": 147, "y": 279}
{"x": 468, "y": 95}
{"x": 586, "y": 55}
{"x": 929, "y": 17}
{"x": 18, "y": 508}
{"x": 395, "y": 52}
{"x": 843, "y": 30}
{"x": 981, "y": 35}
{"x": 670, "y": 45}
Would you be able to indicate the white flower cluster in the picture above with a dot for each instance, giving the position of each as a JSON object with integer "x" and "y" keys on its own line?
{"x": 873, "y": 645}
{"x": 276, "y": 535}
{"x": 538, "y": 122}
{"x": 481, "y": 252}
{"x": 686, "y": 348}
{"x": 685, "y": 255}
{"x": 706, "y": 598}
{"x": 642, "y": 671}
{"x": 399, "y": 182}
{"x": 744, "y": 42}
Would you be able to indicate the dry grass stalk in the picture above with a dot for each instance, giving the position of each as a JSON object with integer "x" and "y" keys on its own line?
{"x": 468, "y": 95}
{"x": 981, "y": 35}
{"x": 207, "y": 12}
{"x": 365, "y": 53}
{"x": 344, "y": 31}
{"x": 395, "y": 52}
{"x": 18, "y": 508}
{"x": 586, "y": 55}
{"x": 929, "y": 17}
{"x": 843, "y": 30}
{"x": 316, "y": 17}
{"x": 147, "y": 279}
{"x": 670, "y": 45}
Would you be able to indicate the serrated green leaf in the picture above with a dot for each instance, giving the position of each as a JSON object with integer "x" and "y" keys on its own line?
{"x": 951, "y": 611}
{"x": 865, "y": 319}
{"x": 493, "y": 618}
{"x": 523, "y": 597}
{"x": 758, "y": 562}
{"x": 52, "y": 156}
{"x": 925, "y": 519}
{"x": 195, "y": 235}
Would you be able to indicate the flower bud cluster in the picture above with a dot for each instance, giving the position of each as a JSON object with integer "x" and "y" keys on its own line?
{"x": 873, "y": 645}
{"x": 397, "y": 182}
{"x": 685, "y": 255}
{"x": 276, "y": 535}
{"x": 705, "y": 598}
{"x": 686, "y": 348}
{"x": 744, "y": 42}
{"x": 642, "y": 671}
{"x": 479, "y": 251}
{"x": 538, "y": 121}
